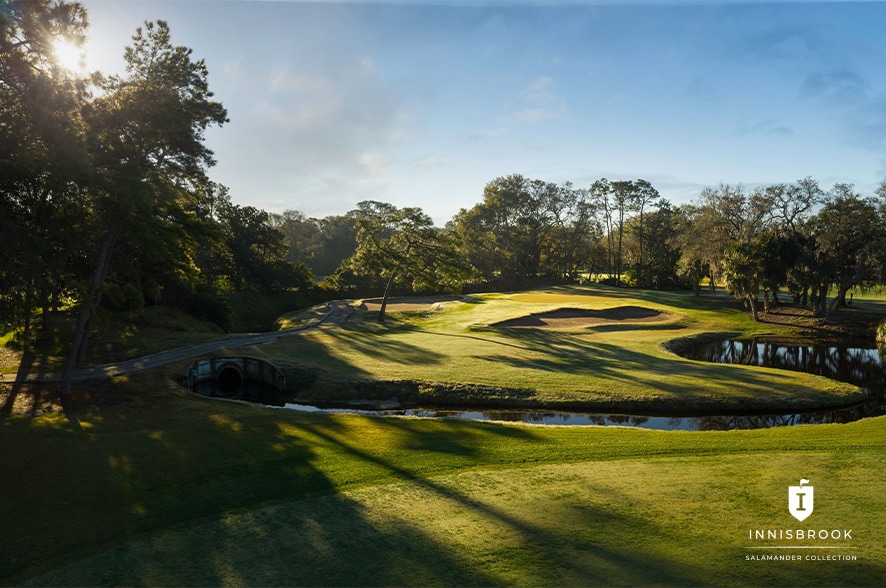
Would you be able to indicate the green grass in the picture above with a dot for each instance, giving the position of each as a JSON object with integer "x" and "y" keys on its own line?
{"x": 457, "y": 355}
{"x": 171, "y": 489}
{"x": 155, "y": 486}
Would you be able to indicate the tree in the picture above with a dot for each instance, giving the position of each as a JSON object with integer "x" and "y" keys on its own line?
{"x": 662, "y": 249}
{"x": 847, "y": 229}
{"x": 743, "y": 270}
{"x": 321, "y": 244}
{"x": 302, "y": 235}
{"x": 43, "y": 166}
{"x": 527, "y": 228}
{"x": 574, "y": 233}
{"x": 644, "y": 195}
{"x": 401, "y": 244}
{"x": 258, "y": 252}
{"x": 147, "y": 132}
{"x": 617, "y": 200}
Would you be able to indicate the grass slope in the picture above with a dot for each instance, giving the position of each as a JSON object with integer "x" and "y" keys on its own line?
{"x": 150, "y": 485}
{"x": 167, "y": 488}
{"x": 455, "y": 355}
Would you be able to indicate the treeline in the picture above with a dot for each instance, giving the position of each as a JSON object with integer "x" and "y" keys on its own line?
{"x": 794, "y": 237}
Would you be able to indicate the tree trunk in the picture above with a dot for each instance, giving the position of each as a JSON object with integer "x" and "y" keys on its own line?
{"x": 27, "y": 331}
{"x": 384, "y": 300}
{"x": 641, "y": 282}
{"x": 840, "y": 300}
{"x": 93, "y": 297}
{"x": 752, "y": 302}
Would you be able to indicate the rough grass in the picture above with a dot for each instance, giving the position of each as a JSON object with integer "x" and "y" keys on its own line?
{"x": 166, "y": 488}
{"x": 444, "y": 355}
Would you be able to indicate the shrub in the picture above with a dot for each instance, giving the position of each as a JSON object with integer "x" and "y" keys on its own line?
{"x": 207, "y": 304}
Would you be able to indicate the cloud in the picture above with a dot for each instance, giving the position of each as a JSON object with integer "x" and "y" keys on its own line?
{"x": 429, "y": 163}
{"x": 376, "y": 163}
{"x": 312, "y": 131}
{"x": 768, "y": 127}
{"x": 489, "y": 134}
{"x": 782, "y": 131}
{"x": 537, "y": 103}
{"x": 835, "y": 86}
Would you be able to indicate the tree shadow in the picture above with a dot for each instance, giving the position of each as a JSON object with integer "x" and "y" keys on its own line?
{"x": 228, "y": 495}
{"x": 21, "y": 396}
{"x": 673, "y": 381}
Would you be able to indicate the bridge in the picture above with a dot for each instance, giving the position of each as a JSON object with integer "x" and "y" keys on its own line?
{"x": 228, "y": 375}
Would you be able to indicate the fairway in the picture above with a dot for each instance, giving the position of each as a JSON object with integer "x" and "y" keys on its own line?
{"x": 510, "y": 350}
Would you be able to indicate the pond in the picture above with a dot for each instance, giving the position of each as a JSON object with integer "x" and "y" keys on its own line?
{"x": 857, "y": 365}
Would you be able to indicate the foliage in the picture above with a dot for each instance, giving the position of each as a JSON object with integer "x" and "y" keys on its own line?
{"x": 401, "y": 246}
{"x": 743, "y": 270}
{"x": 207, "y": 304}
{"x": 618, "y": 200}
{"x": 43, "y": 162}
{"x": 321, "y": 244}
{"x": 105, "y": 198}
{"x": 527, "y": 228}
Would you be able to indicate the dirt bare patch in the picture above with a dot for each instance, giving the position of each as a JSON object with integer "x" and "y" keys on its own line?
{"x": 570, "y": 318}
{"x": 417, "y": 303}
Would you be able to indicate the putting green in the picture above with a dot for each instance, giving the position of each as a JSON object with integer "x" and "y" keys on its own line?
{"x": 547, "y": 298}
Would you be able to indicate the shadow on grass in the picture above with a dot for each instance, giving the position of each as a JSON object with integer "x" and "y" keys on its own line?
{"x": 379, "y": 341}
{"x": 119, "y": 475}
{"x": 674, "y": 382}
{"x": 199, "y": 492}
{"x": 680, "y": 299}
{"x": 22, "y": 398}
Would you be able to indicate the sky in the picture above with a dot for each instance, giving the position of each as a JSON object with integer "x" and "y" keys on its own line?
{"x": 422, "y": 103}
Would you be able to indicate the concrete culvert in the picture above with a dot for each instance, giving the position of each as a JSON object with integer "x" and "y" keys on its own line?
{"x": 228, "y": 380}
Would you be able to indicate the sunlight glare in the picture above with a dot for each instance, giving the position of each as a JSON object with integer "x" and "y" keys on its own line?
{"x": 69, "y": 55}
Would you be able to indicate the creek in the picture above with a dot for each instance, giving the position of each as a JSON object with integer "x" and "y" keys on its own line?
{"x": 858, "y": 365}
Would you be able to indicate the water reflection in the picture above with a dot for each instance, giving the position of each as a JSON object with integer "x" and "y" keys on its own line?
{"x": 248, "y": 391}
{"x": 520, "y": 416}
{"x": 861, "y": 366}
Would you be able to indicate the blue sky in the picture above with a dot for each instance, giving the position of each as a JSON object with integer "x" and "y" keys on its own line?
{"x": 421, "y": 103}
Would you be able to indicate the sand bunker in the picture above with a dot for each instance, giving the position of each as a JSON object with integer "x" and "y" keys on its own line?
{"x": 570, "y": 318}
{"x": 418, "y": 303}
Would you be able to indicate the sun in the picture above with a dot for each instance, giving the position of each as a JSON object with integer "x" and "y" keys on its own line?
{"x": 69, "y": 56}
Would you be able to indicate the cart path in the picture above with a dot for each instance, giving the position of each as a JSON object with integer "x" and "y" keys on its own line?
{"x": 337, "y": 312}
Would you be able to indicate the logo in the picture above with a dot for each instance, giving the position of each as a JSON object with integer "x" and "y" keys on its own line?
{"x": 800, "y": 500}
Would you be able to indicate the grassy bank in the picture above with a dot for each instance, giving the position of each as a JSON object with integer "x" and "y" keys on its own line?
{"x": 162, "y": 487}
{"x": 457, "y": 353}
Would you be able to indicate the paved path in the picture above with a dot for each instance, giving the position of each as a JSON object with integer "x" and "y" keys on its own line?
{"x": 336, "y": 313}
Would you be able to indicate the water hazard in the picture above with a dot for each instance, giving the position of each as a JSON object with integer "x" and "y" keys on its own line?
{"x": 861, "y": 366}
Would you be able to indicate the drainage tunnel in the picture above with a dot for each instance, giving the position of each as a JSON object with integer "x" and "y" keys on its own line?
{"x": 239, "y": 378}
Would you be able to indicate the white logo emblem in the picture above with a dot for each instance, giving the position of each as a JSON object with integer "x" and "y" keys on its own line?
{"x": 800, "y": 500}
